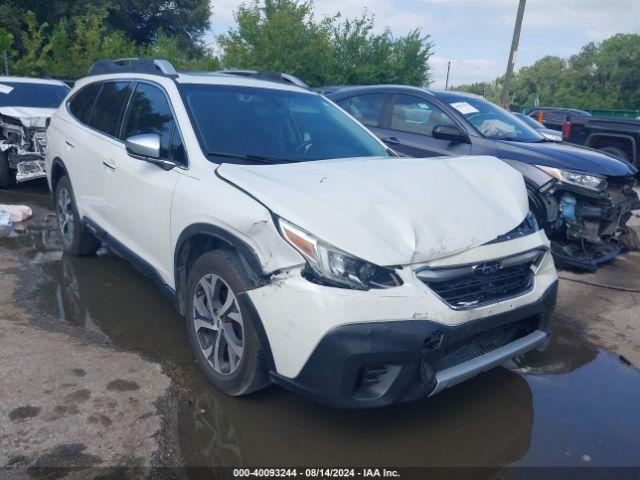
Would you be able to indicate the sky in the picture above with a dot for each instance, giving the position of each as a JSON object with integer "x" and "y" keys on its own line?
{"x": 475, "y": 35}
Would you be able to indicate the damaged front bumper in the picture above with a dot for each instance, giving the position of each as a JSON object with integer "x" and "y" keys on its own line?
{"x": 582, "y": 224}
{"x": 356, "y": 349}
{"x": 381, "y": 363}
{"x": 24, "y": 147}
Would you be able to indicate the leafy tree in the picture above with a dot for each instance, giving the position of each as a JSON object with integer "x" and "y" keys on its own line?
{"x": 6, "y": 47}
{"x": 283, "y": 35}
{"x": 602, "y": 75}
{"x": 138, "y": 20}
{"x": 34, "y": 58}
{"x": 168, "y": 47}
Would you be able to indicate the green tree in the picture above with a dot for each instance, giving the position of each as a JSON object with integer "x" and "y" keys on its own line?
{"x": 34, "y": 58}
{"x": 281, "y": 35}
{"x": 601, "y": 76}
{"x": 284, "y": 35}
{"x": 137, "y": 20}
{"x": 168, "y": 47}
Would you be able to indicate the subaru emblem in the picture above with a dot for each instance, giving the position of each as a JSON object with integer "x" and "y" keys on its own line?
{"x": 485, "y": 269}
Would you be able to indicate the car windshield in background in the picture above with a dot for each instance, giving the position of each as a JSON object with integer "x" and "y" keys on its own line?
{"x": 276, "y": 125}
{"x": 532, "y": 122}
{"x": 495, "y": 122}
{"x": 38, "y": 95}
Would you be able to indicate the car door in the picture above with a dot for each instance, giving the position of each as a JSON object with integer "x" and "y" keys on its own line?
{"x": 95, "y": 146}
{"x": 83, "y": 165}
{"x": 138, "y": 192}
{"x": 410, "y": 126}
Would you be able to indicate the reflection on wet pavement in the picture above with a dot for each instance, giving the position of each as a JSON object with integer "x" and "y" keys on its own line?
{"x": 570, "y": 405}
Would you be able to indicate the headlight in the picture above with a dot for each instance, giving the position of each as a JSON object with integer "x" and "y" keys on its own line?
{"x": 331, "y": 266}
{"x": 587, "y": 181}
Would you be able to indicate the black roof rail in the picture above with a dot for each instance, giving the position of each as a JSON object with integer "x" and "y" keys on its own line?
{"x": 150, "y": 66}
{"x": 268, "y": 76}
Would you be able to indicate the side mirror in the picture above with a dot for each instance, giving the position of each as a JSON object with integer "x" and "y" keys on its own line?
{"x": 146, "y": 146}
{"x": 449, "y": 132}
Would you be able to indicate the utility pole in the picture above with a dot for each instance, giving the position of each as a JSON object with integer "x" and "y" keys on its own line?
{"x": 512, "y": 54}
{"x": 446, "y": 85}
{"x": 6, "y": 62}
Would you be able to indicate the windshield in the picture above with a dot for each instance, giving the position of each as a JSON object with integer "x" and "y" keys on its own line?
{"x": 38, "y": 95}
{"x": 495, "y": 122}
{"x": 532, "y": 122}
{"x": 279, "y": 125}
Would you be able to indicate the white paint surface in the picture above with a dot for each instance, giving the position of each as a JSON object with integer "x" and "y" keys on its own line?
{"x": 392, "y": 211}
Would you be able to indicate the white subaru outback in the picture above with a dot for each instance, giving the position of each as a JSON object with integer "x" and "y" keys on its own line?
{"x": 301, "y": 250}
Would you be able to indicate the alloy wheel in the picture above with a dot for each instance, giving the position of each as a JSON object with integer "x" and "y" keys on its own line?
{"x": 218, "y": 324}
{"x": 65, "y": 215}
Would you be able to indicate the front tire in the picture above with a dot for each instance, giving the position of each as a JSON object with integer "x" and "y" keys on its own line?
{"x": 76, "y": 239}
{"x": 222, "y": 334}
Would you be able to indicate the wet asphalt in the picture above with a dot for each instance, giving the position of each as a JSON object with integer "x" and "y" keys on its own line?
{"x": 576, "y": 404}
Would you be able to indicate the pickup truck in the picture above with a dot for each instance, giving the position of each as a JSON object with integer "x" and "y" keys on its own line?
{"x": 552, "y": 117}
{"x": 616, "y": 136}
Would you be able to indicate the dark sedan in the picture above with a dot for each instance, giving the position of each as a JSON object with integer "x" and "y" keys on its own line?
{"x": 580, "y": 196}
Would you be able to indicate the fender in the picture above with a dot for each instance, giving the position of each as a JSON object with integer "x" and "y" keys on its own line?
{"x": 248, "y": 257}
{"x": 53, "y": 177}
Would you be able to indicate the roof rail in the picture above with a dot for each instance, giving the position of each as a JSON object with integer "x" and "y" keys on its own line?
{"x": 133, "y": 65}
{"x": 268, "y": 76}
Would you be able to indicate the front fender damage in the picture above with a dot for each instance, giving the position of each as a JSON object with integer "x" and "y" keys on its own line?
{"x": 23, "y": 141}
{"x": 585, "y": 226}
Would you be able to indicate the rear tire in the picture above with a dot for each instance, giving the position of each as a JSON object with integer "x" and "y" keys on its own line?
{"x": 222, "y": 334}
{"x": 618, "y": 152}
{"x": 76, "y": 238}
{"x": 7, "y": 176}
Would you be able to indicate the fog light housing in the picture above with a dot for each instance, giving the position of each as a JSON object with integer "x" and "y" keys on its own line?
{"x": 427, "y": 375}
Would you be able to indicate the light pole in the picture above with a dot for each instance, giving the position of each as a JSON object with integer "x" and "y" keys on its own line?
{"x": 446, "y": 85}
{"x": 512, "y": 54}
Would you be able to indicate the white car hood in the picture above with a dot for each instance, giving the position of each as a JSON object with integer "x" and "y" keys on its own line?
{"x": 392, "y": 211}
{"x": 28, "y": 116}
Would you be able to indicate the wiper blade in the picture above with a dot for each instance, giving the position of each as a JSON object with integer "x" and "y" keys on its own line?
{"x": 247, "y": 157}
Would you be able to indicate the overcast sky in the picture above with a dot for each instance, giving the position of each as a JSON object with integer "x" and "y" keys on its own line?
{"x": 476, "y": 34}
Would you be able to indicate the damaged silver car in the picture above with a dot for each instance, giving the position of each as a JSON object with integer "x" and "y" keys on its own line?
{"x": 26, "y": 104}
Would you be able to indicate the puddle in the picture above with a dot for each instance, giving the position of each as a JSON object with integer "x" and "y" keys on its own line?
{"x": 573, "y": 405}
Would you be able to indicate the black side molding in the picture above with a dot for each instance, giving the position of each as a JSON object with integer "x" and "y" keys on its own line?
{"x": 136, "y": 261}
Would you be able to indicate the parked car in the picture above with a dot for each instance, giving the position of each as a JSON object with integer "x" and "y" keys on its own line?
{"x": 25, "y": 106}
{"x": 554, "y": 118}
{"x": 540, "y": 128}
{"x": 580, "y": 196}
{"x": 301, "y": 250}
{"x": 619, "y": 137}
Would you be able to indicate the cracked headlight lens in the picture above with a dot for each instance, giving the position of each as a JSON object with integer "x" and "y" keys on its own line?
{"x": 592, "y": 182}
{"x": 331, "y": 266}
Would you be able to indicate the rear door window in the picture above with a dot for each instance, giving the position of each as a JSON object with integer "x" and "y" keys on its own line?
{"x": 82, "y": 102}
{"x": 109, "y": 107}
{"x": 150, "y": 112}
{"x": 367, "y": 109}
{"x": 415, "y": 115}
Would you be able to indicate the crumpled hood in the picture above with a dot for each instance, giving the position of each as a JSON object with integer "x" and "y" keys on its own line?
{"x": 565, "y": 156}
{"x": 391, "y": 211}
{"x": 28, "y": 116}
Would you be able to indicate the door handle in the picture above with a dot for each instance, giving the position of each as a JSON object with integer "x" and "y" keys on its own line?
{"x": 110, "y": 166}
{"x": 391, "y": 140}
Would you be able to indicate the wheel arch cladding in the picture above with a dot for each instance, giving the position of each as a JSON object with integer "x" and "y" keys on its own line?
{"x": 200, "y": 238}
{"x": 58, "y": 170}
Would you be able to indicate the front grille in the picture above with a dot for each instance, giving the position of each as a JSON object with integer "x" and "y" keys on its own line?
{"x": 485, "y": 342}
{"x": 473, "y": 285}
